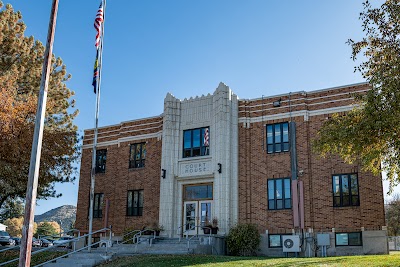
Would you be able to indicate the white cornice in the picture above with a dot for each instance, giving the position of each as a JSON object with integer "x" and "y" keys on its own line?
{"x": 125, "y": 139}
{"x": 305, "y": 113}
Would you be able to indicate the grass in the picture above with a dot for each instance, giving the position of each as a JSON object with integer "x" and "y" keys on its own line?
{"x": 227, "y": 261}
{"x": 35, "y": 259}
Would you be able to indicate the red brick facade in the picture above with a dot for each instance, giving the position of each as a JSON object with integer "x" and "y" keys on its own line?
{"x": 307, "y": 109}
{"x": 256, "y": 166}
{"x": 119, "y": 178}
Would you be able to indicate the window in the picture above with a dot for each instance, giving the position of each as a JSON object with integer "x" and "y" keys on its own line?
{"x": 196, "y": 192}
{"x": 279, "y": 194}
{"x": 196, "y": 142}
{"x": 101, "y": 157}
{"x": 277, "y": 137}
{"x": 345, "y": 190}
{"x": 135, "y": 203}
{"x": 98, "y": 205}
{"x": 275, "y": 241}
{"x": 349, "y": 239}
{"x": 137, "y": 155}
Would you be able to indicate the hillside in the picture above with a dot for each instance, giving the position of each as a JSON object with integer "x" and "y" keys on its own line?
{"x": 66, "y": 214}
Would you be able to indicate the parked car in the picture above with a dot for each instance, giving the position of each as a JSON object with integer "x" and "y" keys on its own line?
{"x": 64, "y": 241}
{"x": 17, "y": 240}
{"x": 36, "y": 242}
{"x": 46, "y": 242}
{"x": 5, "y": 239}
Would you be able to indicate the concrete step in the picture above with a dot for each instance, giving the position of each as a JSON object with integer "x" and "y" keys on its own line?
{"x": 79, "y": 259}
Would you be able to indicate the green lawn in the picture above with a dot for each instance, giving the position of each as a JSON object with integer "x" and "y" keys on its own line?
{"x": 222, "y": 261}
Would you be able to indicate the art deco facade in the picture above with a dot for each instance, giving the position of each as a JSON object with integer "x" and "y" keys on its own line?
{"x": 241, "y": 161}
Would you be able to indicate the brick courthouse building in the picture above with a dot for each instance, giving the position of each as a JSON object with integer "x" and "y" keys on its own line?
{"x": 246, "y": 161}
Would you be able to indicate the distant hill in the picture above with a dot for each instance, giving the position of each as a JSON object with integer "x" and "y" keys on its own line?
{"x": 66, "y": 214}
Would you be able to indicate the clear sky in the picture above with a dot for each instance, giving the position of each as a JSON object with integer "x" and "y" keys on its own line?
{"x": 151, "y": 47}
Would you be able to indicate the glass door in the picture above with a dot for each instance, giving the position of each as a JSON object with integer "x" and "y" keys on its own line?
{"x": 205, "y": 212}
{"x": 190, "y": 218}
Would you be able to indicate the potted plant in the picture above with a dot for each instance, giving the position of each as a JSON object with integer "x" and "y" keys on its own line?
{"x": 158, "y": 228}
{"x": 207, "y": 226}
{"x": 214, "y": 226}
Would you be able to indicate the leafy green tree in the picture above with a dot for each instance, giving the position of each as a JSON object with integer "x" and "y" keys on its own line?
{"x": 370, "y": 132}
{"x": 12, "y": 208}
{"x": 47, "y": 229}
{"x": 21, "y": 59}
{"x": 393, "y": 216}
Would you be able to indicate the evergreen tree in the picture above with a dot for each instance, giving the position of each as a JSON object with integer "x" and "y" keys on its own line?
{"x": 21, "y": 59}
{"x": 12, "y": 208}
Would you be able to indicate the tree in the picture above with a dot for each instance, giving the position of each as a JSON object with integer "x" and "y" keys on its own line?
{"x": 15, "y": 226}
{"x": 393, "y": 216}
{"x": 21, "y": 60}
{"x": 370, "y": 132}
{"x": 47, "y": 229}
{"x": 12, "y": 208}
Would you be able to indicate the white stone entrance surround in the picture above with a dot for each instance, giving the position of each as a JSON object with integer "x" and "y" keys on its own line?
{"x": 219, "y": 111}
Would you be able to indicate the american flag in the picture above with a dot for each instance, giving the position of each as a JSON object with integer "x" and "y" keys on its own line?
{"x": 206, "y": 138}
{"x": 97, "y": 24}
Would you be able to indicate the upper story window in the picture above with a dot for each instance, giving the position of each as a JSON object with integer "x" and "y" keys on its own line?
{"x": 279, "y": 194}
{"x": 101, "y": 157}
{"x": 345, "y": 190}
{"x": 278, "y": 137}
{"x": 196, "y": 142}
{"x": 137, "y": 155}
{"x": 98, "y": 205}
{"x": 135, "y": 203}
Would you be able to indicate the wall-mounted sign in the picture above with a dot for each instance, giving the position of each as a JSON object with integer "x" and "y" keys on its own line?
{"x": 195, "y": 168}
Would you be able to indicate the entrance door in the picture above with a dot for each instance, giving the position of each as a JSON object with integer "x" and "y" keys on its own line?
{"x": 190, "y": 217}
{"x": 205, "y": 212}
{"x": 196, "y": 215}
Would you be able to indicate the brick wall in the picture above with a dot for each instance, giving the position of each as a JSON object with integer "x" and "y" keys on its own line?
{"x": 256, "y": 166}
{"x": 119, "y": 178}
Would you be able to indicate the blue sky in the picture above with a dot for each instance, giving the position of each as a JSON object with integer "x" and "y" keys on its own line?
{"x": 152, "y": 47}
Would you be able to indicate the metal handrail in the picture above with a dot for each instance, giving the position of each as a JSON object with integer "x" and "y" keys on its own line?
{"x": 183, "y": 231}
{"x": 49, "y": 248}
{"x": 197, "y": 235}
{"x": 75, "y": 250}
{"x": 57, "y": 235}
{"x": 135, "y": 237}
{"x": 123, "y": 242}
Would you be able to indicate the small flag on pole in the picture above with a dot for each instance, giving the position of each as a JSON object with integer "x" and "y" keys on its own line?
{"x": 97, "y": 24}
{"x": 95, "y": 71}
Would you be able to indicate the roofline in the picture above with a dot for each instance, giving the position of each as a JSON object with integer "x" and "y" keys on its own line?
{"x": 121, "y": 123}
{"x": 302, "y": 92}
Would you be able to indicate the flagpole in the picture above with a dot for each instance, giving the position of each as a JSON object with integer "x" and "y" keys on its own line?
{"x": 33, "y": 176}
{"x": 93, "y": 169}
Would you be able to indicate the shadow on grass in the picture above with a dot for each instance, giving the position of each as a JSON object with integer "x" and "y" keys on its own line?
{"x": 35, "y": 259}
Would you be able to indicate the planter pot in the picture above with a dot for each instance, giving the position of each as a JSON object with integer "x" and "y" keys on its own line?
{"x": 206, "y": 231}
{"x": 148, "y": 233}
{"x": 214, "y": 231}
{"x": 158, "y": 233}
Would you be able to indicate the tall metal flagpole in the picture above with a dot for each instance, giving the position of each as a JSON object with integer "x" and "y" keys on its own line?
{"x": 27, "y": 229}
{"x": 93, "y": 170}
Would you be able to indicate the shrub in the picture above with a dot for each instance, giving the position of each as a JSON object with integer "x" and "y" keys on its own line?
{"x": 128, "y": 235}
{"x": 243, "y": 240}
